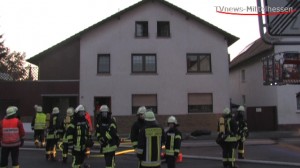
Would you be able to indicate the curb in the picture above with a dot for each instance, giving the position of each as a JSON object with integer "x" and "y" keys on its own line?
{"x": 244, "y": 161}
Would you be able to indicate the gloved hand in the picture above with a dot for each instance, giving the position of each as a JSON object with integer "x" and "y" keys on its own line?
{"x": 22, "y": 142}
{"x": 65, "y": 159}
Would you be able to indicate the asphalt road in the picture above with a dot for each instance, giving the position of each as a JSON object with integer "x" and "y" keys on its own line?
{"x": 283, "y": 153}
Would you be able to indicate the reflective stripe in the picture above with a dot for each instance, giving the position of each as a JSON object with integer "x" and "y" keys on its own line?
{"x": 108, "y": 136}
{"x": 139, "y": 151}
{"x": 150, "y": 163}
{"x": 108, "y": 148}
{"x": 177, "y": 137}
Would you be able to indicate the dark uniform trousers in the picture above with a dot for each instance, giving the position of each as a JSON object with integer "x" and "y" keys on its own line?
{"x": 51, "y": 147}
{"x": 39, "y": 135}
{"x": 14, "y": 156}
{"x": 228, "y": 154}
{"x": 171, "y": 161}
{"x": 110, "y": 159}
{"x": 241, "y": 150}
{"x": 78, "y": 158}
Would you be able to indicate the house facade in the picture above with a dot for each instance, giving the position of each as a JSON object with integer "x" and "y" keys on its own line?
{"x": 153, "y": 54}
{"x": 270, "y": 107}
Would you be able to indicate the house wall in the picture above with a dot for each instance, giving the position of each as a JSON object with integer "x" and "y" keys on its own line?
{"x": 255, "y": 92}
{"x": 61, "y": 64}
{"x": 287, "y": 105}
{"x": 171, "y": 83}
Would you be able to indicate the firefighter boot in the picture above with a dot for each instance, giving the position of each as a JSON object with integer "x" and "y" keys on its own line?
{"x": 36, "y": 143}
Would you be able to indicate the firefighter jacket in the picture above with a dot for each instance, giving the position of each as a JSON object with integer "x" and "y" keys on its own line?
{"x": 173, "y": 142}
{"x": 135, "y": 130}
{"x": 11, "y": 132}
{"x": 107, "y": 135}
{"x": 230, "y": 132}
{"x": 55, "y": 127}
{"x": 39, "y": 121}
{"x": 242, "y": 132}
{"x": 149, "y": 145}
{"x": 67, "y": 121}
{"x": 76, "y": 136}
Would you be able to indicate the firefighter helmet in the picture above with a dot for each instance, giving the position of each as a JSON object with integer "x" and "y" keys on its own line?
{"x": 70, "y": 111}
{"x": 11, "y": 110}
{"x": 149, "y": 116}
{"x": 241, "y": 108}
{"x": 226, "y": 111}
{"x": 171, "y": 120}
{"x": 142, "y": 110}
{"x": 55, "y": 110}
{"x": 39, "y": 108}
{"x": 104, "y": 108}
{"x": 79, "y": 108}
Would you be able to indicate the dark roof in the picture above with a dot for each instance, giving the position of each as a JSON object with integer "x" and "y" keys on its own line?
{"x": 229, "y": 37}
{"x": 252, "y": 50}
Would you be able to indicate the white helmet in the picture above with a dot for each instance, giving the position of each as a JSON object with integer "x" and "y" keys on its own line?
{"x": 11, "y": 110}
{"x": 39, "y": 108}
{"x": 241, "y": 108}
{"x": 226, "y": 111}
{"x": 173, "y": 120}
{"x": 104, "y": 108}
{"x": 55, "y": 110}
{"x": 141, "y": 110}
{"x": 149, "y": 116}
{"x": 70, "y": 111}
{"x": 79, "y": 108}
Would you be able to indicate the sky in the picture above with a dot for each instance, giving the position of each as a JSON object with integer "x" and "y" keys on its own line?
{"x": 32, "y": 26}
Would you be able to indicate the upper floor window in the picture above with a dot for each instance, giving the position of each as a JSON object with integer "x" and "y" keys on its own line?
{"x": 198, "y": 63}
{"x": 141, "y": 29}
{"x": 143, "y": 63}
{"x": 200, "y": 102}
{"x": 103, "y": 63}
{"x": 163, "y": 29}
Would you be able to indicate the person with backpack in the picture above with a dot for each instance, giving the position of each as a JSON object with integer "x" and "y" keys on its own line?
{"x": 107, "y": 135}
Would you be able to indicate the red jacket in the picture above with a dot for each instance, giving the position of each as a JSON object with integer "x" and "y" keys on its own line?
{"x": 88, "y": 118}
{"x": 11, "y": 132}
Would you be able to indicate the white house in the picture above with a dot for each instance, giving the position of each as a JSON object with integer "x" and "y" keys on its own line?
{"x": 154, "y": 54}
{"x": 271, "y": 106}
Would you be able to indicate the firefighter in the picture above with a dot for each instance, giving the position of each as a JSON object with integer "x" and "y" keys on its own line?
{"x": 77, "y": 138}
{"x": 11, "y": 136}
{"x": 227, "y": 128}
{"x": 106, "y": 133}
{"x": 69, "y": 118}
{"x": 52, "y": 136}
{"x": 137, "y": 126}
{"x": 152, "y": 135}
{"x": 38, "y": 124}
{"x": 242, "y": 131}
{"x": 173, "y": 142}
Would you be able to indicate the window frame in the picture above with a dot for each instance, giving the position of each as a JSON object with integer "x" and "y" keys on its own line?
{"x": 210, "y": 107}
{"x": 160, "y": 24}
{"x": 98, "y": 57}
{"x": 198, "y": 55}
{"x": 144, "y": 25}
{"x": 144, "y": 71}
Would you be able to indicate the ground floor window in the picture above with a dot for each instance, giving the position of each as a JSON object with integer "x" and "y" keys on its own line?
{"x": 200, "y": 102}
{"x": 147, "y": 100}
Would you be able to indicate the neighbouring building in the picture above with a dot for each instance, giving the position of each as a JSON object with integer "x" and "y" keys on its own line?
{"x": 152, "y": 53}
{"x": 270, "y": 106}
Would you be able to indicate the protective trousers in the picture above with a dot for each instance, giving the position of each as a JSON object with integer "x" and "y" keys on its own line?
{"x": 110, "y": 160}
{"x": 171, "y": 161}
{"x": 5, "y": 151}
{"x": 51, "y": 149}
{"x": 39, "y": 137}
{"x": 241, "y": 150}
{"x": 229, "y": 154}
{"x": 78, "y": 158}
